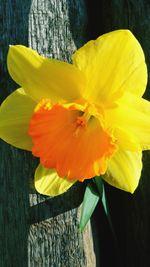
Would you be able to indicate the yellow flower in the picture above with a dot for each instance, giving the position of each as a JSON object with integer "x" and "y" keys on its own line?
{"x": 83, "y": 119}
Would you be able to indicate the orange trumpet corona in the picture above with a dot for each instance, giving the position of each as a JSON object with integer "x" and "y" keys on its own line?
{"x": 70, "y": 141}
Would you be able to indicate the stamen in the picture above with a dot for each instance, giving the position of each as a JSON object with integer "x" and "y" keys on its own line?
{"x": 87, "y": 116}
{"x": 81, "y": 121}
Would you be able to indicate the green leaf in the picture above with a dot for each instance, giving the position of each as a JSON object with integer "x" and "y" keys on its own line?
{"x": 101, "y": 189}
{"x": 106, "y": 208}
{"x": 99, "y": 184}
{"x": 98, "y": 181}
{"x": 90, "y": 201}
{"x": 105, "y": 204}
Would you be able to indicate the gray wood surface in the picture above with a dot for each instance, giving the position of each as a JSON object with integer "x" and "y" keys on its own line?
{"x": 36, "y": 230}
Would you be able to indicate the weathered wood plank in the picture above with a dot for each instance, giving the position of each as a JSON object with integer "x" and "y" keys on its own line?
{"x": 37, "y": 230}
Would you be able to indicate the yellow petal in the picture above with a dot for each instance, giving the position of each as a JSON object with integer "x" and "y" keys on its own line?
{"x": 131, "y": 120}
{"x": 112, "y": 64}
{"x": 47, "y": 182}
{"x": 124, "y": 170}
{"x": 15, "y": 113}
{"x": 42, "y": 77}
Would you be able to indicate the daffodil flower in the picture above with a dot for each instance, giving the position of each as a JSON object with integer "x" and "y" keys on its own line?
{"x": 84, "y": 119}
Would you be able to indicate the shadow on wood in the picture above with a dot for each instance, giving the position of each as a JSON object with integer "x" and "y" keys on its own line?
{"x": 14, "y": 198}
{"x": 58, "y": 205}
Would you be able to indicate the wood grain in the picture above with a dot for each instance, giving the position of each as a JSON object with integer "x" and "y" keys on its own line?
{"x": 37, "y": 230}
